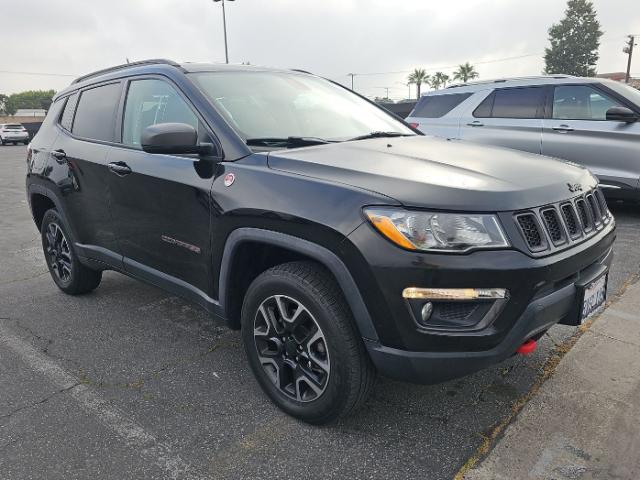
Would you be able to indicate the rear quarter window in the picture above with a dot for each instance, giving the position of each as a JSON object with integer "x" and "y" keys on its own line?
{"x": 436, "y": 106}
{"x": 66, "y": 120}
{"x": 95, "y": 114}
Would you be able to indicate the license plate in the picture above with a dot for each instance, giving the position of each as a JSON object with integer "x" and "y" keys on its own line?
{"x": 595, "y": 295}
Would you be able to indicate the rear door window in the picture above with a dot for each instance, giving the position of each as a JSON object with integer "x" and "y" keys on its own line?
{"x": 436, "y": 106}
{"x": 523, "y": 103}
{"x": 581, "y": 102}
{"x": 151, "y": 101}
{"x": 96, "y": 111}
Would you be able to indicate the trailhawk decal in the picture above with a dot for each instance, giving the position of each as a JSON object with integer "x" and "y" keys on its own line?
{"x": 180, "y": 243}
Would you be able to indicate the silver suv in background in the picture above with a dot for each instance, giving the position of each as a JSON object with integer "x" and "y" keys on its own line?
{"x": 13, "y": 133}
{"x": 590, "y": 121}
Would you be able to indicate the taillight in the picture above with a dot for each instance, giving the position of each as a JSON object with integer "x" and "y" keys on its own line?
{"x": 29, "y": 154}
{"x": 414, "y": 125}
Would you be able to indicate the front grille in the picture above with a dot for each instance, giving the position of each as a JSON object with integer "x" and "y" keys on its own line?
{"x": 530, "y": 231}
{"x": 553, "y": 226}
{"x": 571, "y": 221}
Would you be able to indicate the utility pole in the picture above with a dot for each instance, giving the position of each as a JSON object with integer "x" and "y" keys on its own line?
{"x": 629, "y": 51}
{"x": 224, "y": 27}
{"x": 351, "y": 75}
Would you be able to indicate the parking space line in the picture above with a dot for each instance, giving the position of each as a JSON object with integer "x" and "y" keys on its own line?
{"x": 134, "y": 435}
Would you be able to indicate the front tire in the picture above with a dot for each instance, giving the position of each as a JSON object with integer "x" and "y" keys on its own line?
{"x": 65, "y": 268}
{"x": 302, "y": 344}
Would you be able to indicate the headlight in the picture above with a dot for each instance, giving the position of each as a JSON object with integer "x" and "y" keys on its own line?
{"x": 435, "y": 231}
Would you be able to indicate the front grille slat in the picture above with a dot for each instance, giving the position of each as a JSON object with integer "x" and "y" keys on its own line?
{"x": 531, "y": 231}
{"x": 564, "y": 223}
{"x": 554, "y": 227}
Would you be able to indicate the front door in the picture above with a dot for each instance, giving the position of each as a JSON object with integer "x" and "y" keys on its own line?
{"x": 579, "y": 131}
{"x": 161, "y": 203}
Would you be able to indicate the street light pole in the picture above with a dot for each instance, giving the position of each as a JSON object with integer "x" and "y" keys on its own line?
{"x": 224, "y": 28}
{"x": 629, "y": 51}
{"x": 351, "y": 75}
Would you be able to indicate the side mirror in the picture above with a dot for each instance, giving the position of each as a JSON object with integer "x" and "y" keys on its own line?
{"x": 172, "y": 139}
{"x": 621, "y": 114}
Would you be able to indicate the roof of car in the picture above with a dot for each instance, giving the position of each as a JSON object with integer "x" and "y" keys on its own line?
{"x": 160, "y": 65}
{"x": 472, "y": 87}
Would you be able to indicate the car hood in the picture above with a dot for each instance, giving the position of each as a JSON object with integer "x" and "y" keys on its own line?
{"x": 439, "y": 173}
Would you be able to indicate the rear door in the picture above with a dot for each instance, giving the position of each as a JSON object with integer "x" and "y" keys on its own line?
{"x": 161, "y": 203}
{"x": 577, "y": 130}
{"x": 507, "y": 117}
{"x": 80, "y": 170}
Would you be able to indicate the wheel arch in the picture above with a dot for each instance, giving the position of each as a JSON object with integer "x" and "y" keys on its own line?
{"x": 292, "y": 248}
{"x": 42, "y": 199}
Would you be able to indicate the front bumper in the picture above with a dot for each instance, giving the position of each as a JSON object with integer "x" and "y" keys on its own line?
{"x": 543, "y": 292}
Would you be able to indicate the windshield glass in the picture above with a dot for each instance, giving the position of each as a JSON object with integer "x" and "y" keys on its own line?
{"x": 626, "y": 91}
{"x": 279, "y": 105}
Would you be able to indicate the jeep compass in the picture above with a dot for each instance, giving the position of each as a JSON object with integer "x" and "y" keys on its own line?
{"x": 337, "y": 239}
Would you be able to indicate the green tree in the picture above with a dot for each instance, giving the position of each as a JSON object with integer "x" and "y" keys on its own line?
{"x": 465, "y": 72}
{"x": 418, "y": 77}
{"x": 30, "y": 99}
{"x": 574, "y": 41}
{"x": 439, "y": 80}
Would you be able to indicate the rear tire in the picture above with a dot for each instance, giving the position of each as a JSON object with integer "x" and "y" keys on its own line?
{"x": 65, "y": 268}
{"x": 302, "y": 343}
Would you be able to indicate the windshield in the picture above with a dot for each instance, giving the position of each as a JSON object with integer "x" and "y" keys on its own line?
{"x": 282, "y": 105}
{"x": 626, "y": 91}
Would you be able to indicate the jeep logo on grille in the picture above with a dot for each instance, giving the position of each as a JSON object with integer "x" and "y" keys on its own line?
{"x": 574, "y": 187}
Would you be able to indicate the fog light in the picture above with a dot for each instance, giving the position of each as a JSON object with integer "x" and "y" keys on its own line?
{"x": 426, "y": 311}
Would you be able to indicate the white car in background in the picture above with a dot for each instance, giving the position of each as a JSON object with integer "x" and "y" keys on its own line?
{"x": 13, "y": 133}
{"x": 589, "y": 121}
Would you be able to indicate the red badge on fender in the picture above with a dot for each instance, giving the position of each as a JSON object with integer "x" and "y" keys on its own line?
{"x": 229, "y": 178}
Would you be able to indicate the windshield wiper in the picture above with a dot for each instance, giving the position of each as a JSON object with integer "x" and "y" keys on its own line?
{"x": 287, "y": 142}
{"x": 381, "y": 135}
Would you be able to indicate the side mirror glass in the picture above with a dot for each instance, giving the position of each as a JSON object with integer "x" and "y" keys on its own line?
{"x": 172, "y": 139}
{"x": 621, "y": 114}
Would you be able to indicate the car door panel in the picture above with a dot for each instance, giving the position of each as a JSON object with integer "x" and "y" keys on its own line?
{"x": 161, "y": 203}
{"x": 580, "y": 133}
{"x": 505, "y": 129}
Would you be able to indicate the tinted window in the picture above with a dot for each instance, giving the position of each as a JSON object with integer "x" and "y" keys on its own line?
{"x": 149, "y": 102}
{"x": 95, "y": 115}
{"x": 517, "y": 102}
{"x": 580, "y": 102}
{"x": 66, "y": 120}
{"x": 484, "y": 109}
{"x": 435, "y": 106}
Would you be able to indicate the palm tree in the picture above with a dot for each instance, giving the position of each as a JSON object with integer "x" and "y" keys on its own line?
{"x": 439, "y": 80}
{"x": 418, "y": 76}
{"x": 465, "y": 73}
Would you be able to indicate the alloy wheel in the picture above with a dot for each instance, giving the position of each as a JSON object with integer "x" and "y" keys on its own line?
{"x": 58, "y": 251}
{"x": 292, "y": 348}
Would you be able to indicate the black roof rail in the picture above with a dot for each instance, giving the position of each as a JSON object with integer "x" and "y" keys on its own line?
{"x": 153, "y": 61}
{"x": 301, "y": 71}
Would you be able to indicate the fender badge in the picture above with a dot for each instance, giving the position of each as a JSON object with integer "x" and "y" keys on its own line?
{"x": 229, "y": 178}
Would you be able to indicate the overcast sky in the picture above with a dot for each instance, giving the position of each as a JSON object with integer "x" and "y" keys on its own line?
{"x": 328, "y": 37}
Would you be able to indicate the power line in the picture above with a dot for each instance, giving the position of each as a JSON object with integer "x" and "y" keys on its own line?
{"x": 43, "y": 74}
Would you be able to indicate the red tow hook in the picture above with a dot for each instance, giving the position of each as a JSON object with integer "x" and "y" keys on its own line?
{"x": 527, "y": 347}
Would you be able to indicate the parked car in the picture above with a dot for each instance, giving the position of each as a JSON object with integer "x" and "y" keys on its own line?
{"x": 337, "y": 239}
{"x": 590, "y": 121}
{"x": 13, "y": 133}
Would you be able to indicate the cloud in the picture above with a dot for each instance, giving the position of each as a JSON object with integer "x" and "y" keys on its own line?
{"x": 328, "y": 37}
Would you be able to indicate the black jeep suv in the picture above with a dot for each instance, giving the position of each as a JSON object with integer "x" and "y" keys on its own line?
{"x": 339, "y": 240}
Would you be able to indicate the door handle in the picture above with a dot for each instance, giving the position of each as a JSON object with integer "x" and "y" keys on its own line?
{"x": 59, "y": 154}
{"x": 119, "y": 168}
{"x": 476, "y": 123}
{"x": 563, "y": 128}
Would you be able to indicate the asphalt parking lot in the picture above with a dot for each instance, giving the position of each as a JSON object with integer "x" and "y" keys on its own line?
{"x": 129, "y": 382}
